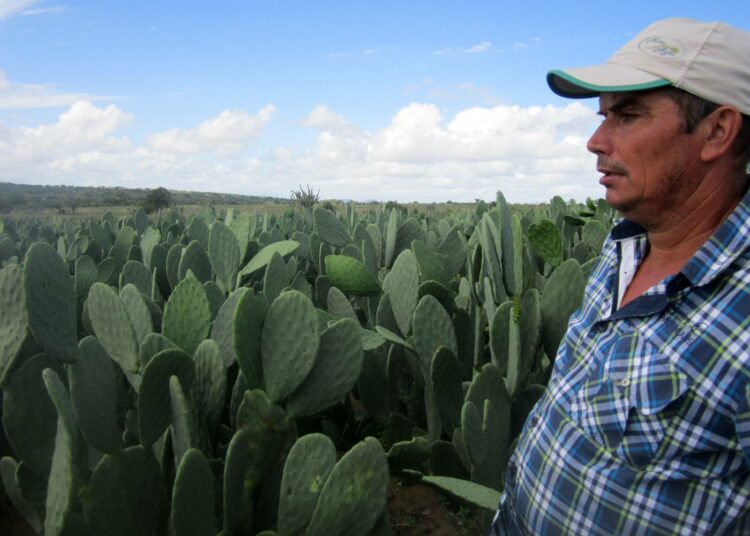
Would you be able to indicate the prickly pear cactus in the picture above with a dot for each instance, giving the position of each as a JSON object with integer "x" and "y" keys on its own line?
{"x": 546, "y": 241}
{"x": 337, "y": 366}
{"x": 154, "y": 410}
{"x": 112, "y": 325}
{"x": 351, "y": 276}
{"x": 50, "y": 302}
{"x": 224, "y": 253}
{"x": 93, "y": 391}
{"x": 402, "y": 284}
{"x": 195, "y": 259}
{"x": 263, "y": 257}
{"x": 306, "y": 469}
{"x": 289, "y": 343}
{"x": 25, "y": 401}
{"x": 354, "y": 494}
{"x": 187, "y": 315}
{"x": 125, "y": 494}
{"x": 14, "y": 326}
{"x": 431, "y": 331}
{"x": 193, "y": 497}
{"x": 562, "y": 295}
{"x": 330, "y": 228}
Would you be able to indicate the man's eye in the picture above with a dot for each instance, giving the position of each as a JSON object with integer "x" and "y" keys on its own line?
{"x": 627, "y": 116}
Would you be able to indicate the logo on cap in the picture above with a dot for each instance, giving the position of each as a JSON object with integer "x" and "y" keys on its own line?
{"x": 663, "y": 47}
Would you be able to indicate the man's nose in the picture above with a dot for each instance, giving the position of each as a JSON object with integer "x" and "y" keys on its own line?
{"x": 599, "y": 142}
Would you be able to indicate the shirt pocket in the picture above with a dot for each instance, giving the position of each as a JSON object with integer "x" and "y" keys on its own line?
{"x": 629, "y": 402}
{"x": 654, "y": 390}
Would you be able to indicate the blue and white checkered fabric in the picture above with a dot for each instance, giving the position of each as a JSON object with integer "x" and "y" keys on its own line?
{"x": 645, "y": 426}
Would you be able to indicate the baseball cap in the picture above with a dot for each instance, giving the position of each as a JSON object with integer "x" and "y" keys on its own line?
{"x": 708, "y": 59}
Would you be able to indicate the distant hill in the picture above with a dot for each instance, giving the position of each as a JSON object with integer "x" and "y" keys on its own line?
{"x": 69, "y": 198}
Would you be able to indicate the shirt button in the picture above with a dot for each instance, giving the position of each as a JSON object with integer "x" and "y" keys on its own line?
{"x": 624, "y": 382}
{"x": 533, "y": 421}
{"x": 512, "y": 470}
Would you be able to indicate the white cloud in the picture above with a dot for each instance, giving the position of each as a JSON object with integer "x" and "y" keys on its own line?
{"x": 421, "y": 155}
{"x": 481, "y": 47}
{"x": 323, "y": 117}
{"x": 228, "y": 133}
{"x": 523, "y": 45}
{"x": 44, "y": 11}
{"x": 14, "y": 95}
{"x": 530, "y": 153}
{"x": 484, "y": 46}
{"x": 82, "y": 128}
{"x": 8, "y": 8}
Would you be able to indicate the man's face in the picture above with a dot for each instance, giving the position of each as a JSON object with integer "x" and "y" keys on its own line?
{"x": 647, "y": 160}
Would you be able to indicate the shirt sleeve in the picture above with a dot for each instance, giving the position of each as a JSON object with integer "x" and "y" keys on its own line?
{"x": 742, "y": 423}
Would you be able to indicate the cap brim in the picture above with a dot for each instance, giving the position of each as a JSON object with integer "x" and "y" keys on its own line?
{"x": 583, "y": 82}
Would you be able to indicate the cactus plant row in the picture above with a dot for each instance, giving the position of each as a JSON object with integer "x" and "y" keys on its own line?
{"x": 265, "y": 374}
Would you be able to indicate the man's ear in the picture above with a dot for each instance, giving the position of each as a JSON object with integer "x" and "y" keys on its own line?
{"x": 721, "y": 128}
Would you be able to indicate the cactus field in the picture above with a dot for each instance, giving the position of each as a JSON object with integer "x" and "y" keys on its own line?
{"x": 256, "y": 374}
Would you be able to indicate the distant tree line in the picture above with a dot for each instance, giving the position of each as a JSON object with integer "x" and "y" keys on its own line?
{"x": 69, "y": 198}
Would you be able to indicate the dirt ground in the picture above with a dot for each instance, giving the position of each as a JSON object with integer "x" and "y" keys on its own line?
{"x": 416, "y": 509}
{"x": 413, "y": 509}
{"x": 11, "y": 522}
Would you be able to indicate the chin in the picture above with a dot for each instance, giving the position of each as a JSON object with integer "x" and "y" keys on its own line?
{"x": 627, "y": 209}
{"x": 614, "y": 201}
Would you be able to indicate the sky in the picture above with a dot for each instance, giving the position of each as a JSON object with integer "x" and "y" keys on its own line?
{"x": 428, "y": 101}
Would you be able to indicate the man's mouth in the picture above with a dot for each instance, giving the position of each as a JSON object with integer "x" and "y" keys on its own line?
{"x": 610, "y": 173}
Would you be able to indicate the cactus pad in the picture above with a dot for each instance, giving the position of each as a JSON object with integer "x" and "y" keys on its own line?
{"x": 187, "y": 315}
{"x": 433, "y": 328}
{"x": 336, "y": 369}
{"x": 351, "y": 276}
{"x": 51, "y": 302}
{"x": 306, "y": 469}
{"x": 93, "y": 390}
{"x": 154, "y": 412}
{"x": 111, "y": 323}
{"x": 124, "y": 495}
{"x": 247, "y": 326}
{"x": 402, "y": 285}
{"x": 471, "y": 492}
{"x": 263, "y": 257}
{"x": 289, "y": 343}
{"x": 14, "y": 325}
{"x": 563, "y": 293}
{"x": 330, "y": 228}
{"x": 224, "y": 252}
{"x": 25, "y": 401}
{"x": 546, "y": 241}
{"x": 193, "y": 497}
{"x": 354, "y": 495}
{"x": 195, "y": 259}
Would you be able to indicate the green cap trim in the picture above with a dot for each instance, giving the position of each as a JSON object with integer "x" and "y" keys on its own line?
{"x": 569, "y": 86}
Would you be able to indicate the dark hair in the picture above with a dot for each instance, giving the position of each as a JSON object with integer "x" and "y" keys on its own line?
{"x": 695, "y": 108}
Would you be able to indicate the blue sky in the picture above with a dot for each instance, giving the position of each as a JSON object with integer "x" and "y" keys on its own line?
{"x": 428, "y": 101}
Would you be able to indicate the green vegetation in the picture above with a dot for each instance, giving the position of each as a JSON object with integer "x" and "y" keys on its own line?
{"x": 237, "y": 373}
{"x": 15, "y": 198}
{"x": 305, "y": 197}
{"x": 156, "y": 200}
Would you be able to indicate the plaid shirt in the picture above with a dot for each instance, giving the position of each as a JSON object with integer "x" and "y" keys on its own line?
{"x": 644, "y": 427}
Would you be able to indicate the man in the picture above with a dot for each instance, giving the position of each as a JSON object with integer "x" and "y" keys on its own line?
{"x": 645, "y": 427}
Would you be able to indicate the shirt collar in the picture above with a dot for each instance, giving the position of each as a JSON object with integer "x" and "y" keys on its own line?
{"x": 626, "y": 229}
{"x": 730, "y": 240}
